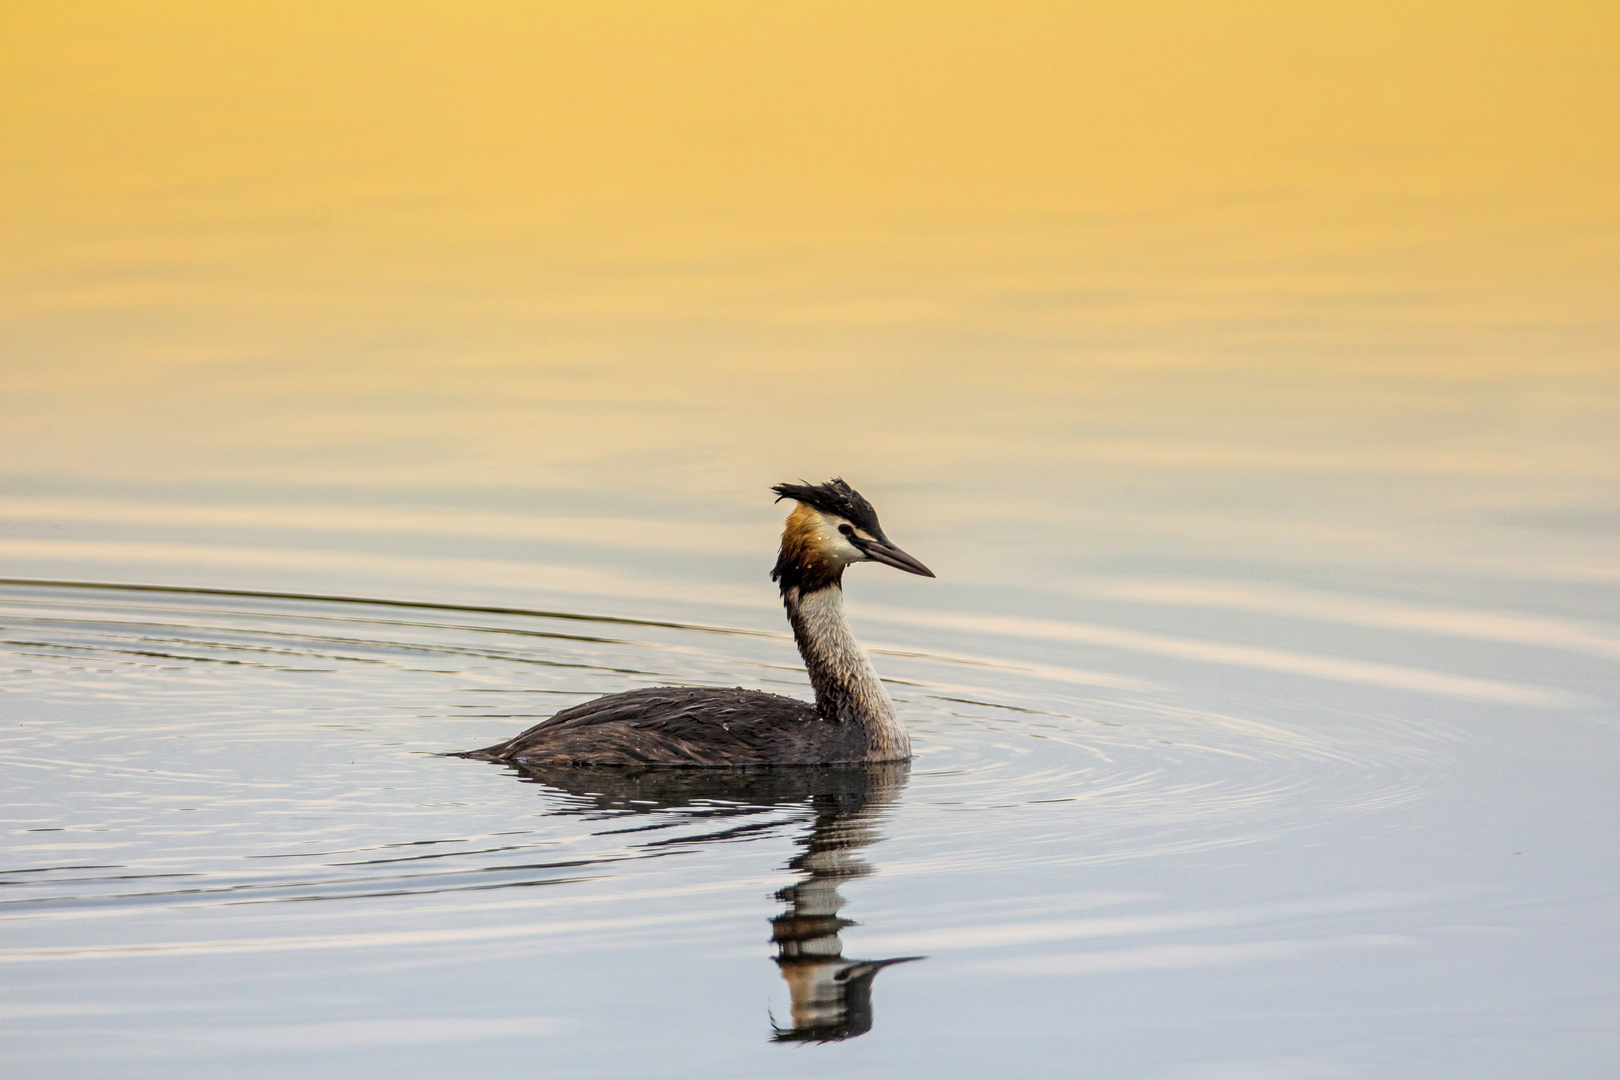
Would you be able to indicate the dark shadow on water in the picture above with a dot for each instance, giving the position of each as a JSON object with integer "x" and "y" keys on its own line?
{"x": 831, "y": 994}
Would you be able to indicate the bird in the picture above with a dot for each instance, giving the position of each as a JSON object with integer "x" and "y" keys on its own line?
{"x": 853, "y": 720}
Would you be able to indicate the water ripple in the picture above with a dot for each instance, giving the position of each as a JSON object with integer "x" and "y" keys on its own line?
{"x": 241, "y": 753}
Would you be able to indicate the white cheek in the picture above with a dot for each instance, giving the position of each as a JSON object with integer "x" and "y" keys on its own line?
{"x": 833, "y": 545}
{"x": 842, "y": 550}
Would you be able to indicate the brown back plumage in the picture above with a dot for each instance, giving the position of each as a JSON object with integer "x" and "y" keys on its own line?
{"x": 679, "y": 725}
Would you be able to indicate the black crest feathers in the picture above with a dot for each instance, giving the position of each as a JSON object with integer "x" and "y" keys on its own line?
{"x": 833, "y": 497}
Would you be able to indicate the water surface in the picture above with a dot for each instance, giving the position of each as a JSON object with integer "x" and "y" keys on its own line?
{"x": 378, "y": 381}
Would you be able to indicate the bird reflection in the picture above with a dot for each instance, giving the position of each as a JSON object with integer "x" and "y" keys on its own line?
{"x": 831, "y": 994}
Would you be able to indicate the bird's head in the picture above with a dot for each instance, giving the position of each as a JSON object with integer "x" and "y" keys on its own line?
{"x": 830, "y": 527}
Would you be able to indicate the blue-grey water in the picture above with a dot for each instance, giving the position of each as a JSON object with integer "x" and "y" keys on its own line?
{"x": 1209, "y": 829}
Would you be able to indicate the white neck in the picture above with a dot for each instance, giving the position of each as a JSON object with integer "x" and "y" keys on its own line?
{"x": 847, "y": 685}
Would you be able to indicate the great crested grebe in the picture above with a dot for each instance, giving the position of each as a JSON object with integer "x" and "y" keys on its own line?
{"x": 853, "y": 719}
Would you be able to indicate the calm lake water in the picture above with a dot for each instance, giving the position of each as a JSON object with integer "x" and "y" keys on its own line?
{"x": 376, "y": 385}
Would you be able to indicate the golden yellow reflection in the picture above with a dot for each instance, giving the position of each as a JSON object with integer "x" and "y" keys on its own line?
{"x": 466, "y": 143}
{"x": 244, "y": 240}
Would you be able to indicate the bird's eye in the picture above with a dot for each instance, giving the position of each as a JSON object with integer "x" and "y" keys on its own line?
{"x": 847, "y": 530}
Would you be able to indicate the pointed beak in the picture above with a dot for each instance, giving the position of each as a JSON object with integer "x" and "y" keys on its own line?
{"x": 886, "y": 553}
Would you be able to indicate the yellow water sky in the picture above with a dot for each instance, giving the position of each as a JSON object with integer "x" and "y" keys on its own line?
{"x": 284, "y": 231}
